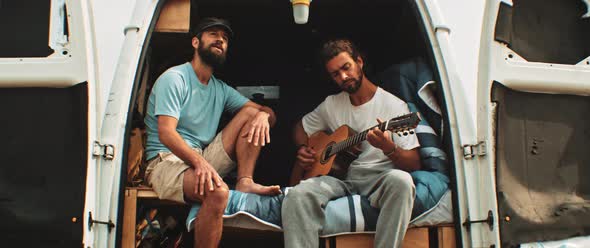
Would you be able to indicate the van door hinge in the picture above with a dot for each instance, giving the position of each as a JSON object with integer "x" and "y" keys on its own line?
{"x": 489, "y": 221}
{"x": 471, "y": 151}
{"x": 107, "y": 151}
{"x": 91, "y": 222}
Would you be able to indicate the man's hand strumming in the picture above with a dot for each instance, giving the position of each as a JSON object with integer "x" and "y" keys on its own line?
{"x": 305, "y": 157}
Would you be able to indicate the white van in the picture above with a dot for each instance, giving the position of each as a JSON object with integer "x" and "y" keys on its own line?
{"x": 518, "y": 164}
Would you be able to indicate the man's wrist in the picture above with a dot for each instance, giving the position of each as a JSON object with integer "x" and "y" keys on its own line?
{"x": 391, "y": 151}
{"x": 298, "y": 147}
{"x": 265, "y": 110}
{"x": 270, "y": 112}
{"x": 263, "y": 113}
{"x": 196, "y": 162}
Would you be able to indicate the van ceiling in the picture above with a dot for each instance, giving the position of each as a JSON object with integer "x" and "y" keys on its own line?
{"x": 266, "y": 36}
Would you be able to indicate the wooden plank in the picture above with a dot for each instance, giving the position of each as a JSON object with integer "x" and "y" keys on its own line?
{"x": 175, "y": 17}
{"x": 416, "y": 238}
{"x": 446, "y": 237}
{"x": 129, "y": 217}
{"x": 354, "y": 240}
{"x": 146, "y": 193}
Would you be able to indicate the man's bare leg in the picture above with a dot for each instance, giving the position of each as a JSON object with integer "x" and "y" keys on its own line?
{"x": 209, "y": 221}
{"x": 245, "y": 153}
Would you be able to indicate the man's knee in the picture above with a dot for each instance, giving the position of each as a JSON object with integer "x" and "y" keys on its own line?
{"x": 217, "y": 200}
{"x": 400, "y": 180}
{"x": 247, "y": 112}
{"x": 300, "y": 193}
{"x": 311, "y": 191}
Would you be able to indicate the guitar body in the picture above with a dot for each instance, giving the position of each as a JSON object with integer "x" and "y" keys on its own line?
{"x": 336, "y": 165}
{"x": 335, "y": 151}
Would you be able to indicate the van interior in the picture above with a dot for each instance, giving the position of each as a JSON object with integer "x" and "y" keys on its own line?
{"x": 538, "y": 141}
{"x": 269, "y": 49}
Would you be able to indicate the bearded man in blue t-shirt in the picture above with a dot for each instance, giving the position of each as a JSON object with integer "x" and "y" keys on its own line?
{"x": 186, "y": 158}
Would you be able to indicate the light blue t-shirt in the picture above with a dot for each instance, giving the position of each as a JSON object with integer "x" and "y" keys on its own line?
{"x": 197, "y": 107}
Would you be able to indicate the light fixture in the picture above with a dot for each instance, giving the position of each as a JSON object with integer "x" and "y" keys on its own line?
{"x": 300, "y": 10}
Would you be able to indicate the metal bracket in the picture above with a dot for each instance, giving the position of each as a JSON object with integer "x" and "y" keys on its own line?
{"x": 471, "y": 151}
{"x": 107, "y": 151}
{"x": 489, "y": 221}
{"x": 91, "y": 222}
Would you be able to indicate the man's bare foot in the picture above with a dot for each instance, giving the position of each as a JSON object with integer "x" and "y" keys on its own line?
{"x": 247, "y": 185}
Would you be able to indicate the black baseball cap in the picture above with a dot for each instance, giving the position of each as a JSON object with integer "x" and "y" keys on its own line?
{"x": 209, "y": 22}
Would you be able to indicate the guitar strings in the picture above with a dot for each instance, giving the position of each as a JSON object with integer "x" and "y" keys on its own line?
{"x": 359, "y": 137}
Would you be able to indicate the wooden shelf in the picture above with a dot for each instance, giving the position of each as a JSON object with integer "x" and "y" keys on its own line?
{"x": 175, "y": 17}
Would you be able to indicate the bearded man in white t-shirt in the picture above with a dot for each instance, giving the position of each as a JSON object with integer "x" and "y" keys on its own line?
{"x": 381, "y": 172}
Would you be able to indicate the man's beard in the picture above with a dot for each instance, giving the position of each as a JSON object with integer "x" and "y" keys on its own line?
{"x": 355, "y": 86}
{"x": 209, "y": 57}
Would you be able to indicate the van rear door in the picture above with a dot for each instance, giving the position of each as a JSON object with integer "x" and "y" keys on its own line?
{"x": 533, "y": 107}
{"x": 117, "y": 122}
{"x": 48, "y": 96}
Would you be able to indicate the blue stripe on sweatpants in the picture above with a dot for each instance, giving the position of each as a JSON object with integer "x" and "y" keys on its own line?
{"x": 352, "y": 214}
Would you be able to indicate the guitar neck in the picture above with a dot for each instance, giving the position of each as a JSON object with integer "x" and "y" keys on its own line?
{"x": 395, "y": 124}
{"x": 353, "y": 140}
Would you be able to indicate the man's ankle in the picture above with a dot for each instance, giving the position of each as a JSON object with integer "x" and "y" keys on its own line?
{"x": 244, "y": 179}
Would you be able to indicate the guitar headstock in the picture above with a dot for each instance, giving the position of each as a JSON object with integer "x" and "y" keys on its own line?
{"x": 402, "y": 125}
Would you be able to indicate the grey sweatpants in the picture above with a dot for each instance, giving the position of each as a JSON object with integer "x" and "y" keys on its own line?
{"x": 390, "y": 190}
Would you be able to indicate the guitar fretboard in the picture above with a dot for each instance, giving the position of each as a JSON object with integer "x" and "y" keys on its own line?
{"x": 398, "y": 123}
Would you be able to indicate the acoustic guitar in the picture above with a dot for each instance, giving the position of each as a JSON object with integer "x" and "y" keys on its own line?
{"x": 335, "y": 151}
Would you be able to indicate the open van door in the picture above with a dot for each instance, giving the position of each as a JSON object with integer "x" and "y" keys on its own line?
{"x": 115, "y": 131}
{"x": 533, "y": 106}
{"x": 48, "y": 96}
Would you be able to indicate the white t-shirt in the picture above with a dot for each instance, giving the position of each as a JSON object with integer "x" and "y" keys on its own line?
{"x": 337, "y": 110}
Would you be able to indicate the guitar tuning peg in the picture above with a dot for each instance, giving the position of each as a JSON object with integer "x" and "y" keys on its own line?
{"x": 411, "y": 131}
{"x": 405, "y": 133}
{"x": 399, "y": 134}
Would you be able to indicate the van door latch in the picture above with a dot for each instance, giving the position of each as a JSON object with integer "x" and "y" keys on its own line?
{"x": 471, "y": 151}
{"x": 107, "y": 151}
{"x": 91, "y": 222}
{"x": 489, "y": 221}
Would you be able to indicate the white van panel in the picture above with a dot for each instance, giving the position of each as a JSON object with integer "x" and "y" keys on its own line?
{"x": 517, "y": 73}
{"x": 473, "y": 200}
{"x": 518, "y": 104}
{"x": 116, "y": 118}
{"x": 65, "y": 86}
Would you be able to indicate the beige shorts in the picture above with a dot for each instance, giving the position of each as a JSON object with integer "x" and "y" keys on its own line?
{"x": 165, "y": 172}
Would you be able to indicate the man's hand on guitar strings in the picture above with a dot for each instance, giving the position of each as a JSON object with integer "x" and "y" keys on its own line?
{"x": 305, "y": 157}
{"x": 379, "y": 139}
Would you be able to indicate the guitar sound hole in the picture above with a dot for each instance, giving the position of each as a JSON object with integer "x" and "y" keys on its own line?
{"x": 326, "y": 157}
{"x": 327, "y": 153}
